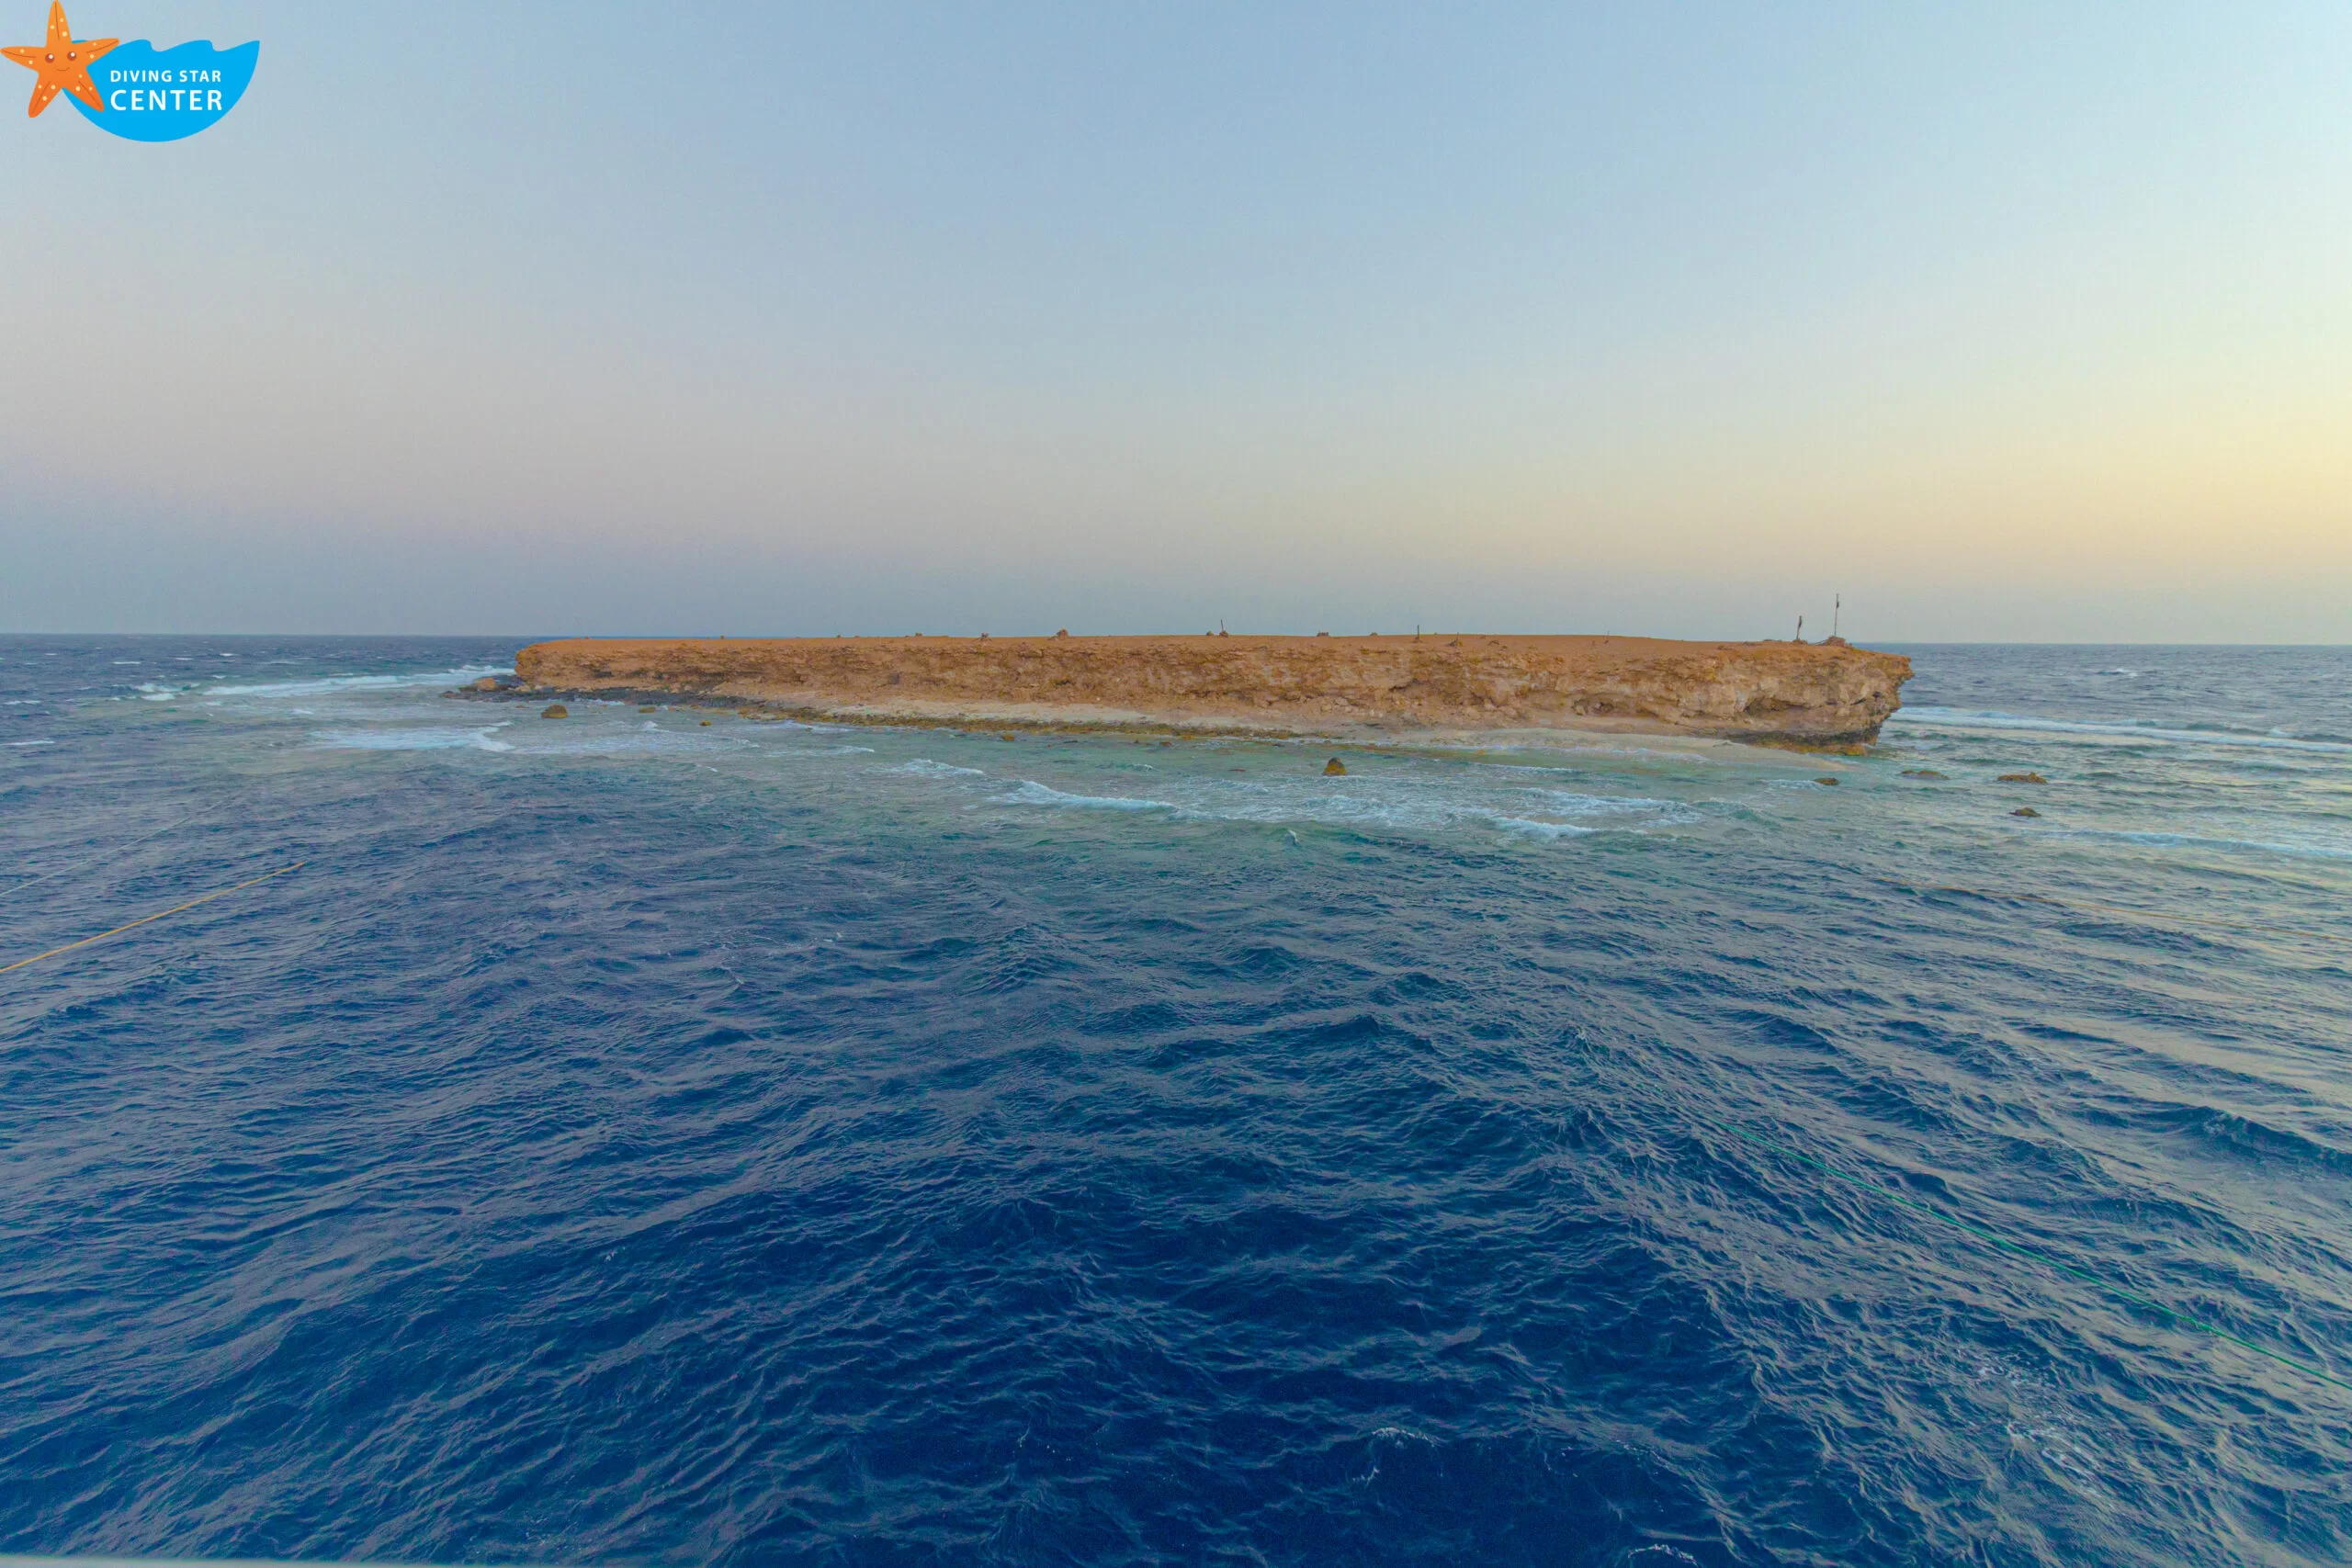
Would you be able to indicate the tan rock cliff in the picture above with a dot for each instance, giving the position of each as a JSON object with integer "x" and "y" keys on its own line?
{"x": 1294, "y": 685}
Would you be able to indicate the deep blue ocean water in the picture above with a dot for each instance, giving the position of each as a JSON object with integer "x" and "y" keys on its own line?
{"x": 624, "y": 1139}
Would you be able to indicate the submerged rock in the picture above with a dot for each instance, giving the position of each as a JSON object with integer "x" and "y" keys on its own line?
{"x": 555, "y": 710}
{"x": 2023, "y": 778}
{"x": 1826, "y": 779}
{"x": 2025, "y": 811}
{"x": 1921, "y": 774}
{"x": 1333, "y": 768}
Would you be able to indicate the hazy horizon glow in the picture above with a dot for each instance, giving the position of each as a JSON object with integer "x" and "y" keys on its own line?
{"x": 2002, "y": 323}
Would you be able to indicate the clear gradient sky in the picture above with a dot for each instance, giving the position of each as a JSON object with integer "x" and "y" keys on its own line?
{"x": 2004, "y": 320}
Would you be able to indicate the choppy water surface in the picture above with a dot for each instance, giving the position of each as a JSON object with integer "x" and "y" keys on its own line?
{"x": 628, "y": 1139}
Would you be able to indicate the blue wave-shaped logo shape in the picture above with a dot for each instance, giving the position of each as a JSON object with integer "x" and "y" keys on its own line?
{"x": 163, "y": 94}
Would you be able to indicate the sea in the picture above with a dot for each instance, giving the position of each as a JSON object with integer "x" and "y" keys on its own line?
{"x": 667, "y": 1137}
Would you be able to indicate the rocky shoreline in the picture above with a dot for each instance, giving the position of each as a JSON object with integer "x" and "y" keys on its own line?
{"x": 1437, "y": 685}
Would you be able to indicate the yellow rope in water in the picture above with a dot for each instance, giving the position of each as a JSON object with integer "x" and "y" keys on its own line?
{"x": 158, "y": 915}
{"x": 10, "y": 891}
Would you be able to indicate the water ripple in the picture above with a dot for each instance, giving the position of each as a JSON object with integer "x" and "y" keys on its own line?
{"x": 676, "y": 1144}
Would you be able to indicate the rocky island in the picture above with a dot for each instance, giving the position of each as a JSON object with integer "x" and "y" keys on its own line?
{"x": 1369, "y": 688}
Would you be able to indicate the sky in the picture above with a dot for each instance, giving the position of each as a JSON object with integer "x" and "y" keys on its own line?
{"x": 1999, "y": 321}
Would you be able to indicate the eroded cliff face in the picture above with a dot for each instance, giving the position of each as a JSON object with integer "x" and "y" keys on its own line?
{"x": 1813, "y": 694}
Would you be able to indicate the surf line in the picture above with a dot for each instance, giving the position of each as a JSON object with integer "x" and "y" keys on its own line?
{"x": 1980, "y": 1234}
{"x": 148, "y": 919}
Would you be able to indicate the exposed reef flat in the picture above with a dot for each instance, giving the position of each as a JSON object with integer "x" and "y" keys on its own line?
{"x": 1391, "y": 688}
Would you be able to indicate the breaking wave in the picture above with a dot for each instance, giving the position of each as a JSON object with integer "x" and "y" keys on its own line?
{"x": 1030, "y": 793}
{"x": 323, "y": 685}
{"x": 422, "y": 739}
{"x": 1955, "y": 718}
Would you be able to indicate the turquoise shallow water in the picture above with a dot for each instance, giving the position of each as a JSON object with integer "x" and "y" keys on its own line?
{"x": 627, "y": 1140}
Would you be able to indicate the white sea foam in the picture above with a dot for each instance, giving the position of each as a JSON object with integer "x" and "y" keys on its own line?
{"x": 1032, "y": 793}
{"x": 1541, "y": 830}
{"x": 924, "y": 767}
{"x": 1391, "y": 804}
{"x": 1413, "y": 799}
{"x": 777, "y": 721}
{"x": 1427, "y": 806}
{"x": 588, "y": 741}
{"x": 2197, "y": 841}
{"x": 1575, "y": 800}
{"x": 1331, "y": 808}
{"x": 322, "y": 685}
{"x": 1692, "y": 752}
{"x": 1571, "y": 802}
{"x": 32, "y": 742}
{"x": 1959, "y": 718}
{"x": 418, "y": 739}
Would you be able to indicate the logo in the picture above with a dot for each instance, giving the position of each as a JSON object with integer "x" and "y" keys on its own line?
{"x": 134, "y": 89}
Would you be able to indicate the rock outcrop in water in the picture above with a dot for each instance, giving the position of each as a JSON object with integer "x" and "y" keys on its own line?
{"x": 1804, "y": 692}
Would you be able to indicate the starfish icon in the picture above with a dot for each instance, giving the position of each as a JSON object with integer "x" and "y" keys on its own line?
{"x": 63, "y": 63}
